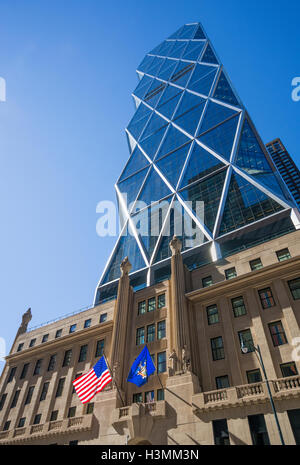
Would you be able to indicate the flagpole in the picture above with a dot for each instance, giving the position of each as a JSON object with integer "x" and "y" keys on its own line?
{"x": 111, "y": 374}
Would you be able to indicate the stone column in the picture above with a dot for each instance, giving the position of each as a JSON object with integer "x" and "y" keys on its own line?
{"x": 121, "y": 316}
{"x": 180, "y": 340}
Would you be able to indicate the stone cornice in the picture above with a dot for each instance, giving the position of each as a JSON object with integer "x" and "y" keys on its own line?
{"x": 253, "y": 278}
{"x": 69, "y": 339}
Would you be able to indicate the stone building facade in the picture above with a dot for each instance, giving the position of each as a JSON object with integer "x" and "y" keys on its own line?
{"x": 205, "y": 389}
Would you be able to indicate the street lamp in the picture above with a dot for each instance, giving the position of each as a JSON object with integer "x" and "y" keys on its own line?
{"x": 245, "y": 349}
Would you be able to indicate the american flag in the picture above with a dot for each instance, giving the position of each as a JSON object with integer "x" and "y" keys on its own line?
{"x": 93, "y": 381}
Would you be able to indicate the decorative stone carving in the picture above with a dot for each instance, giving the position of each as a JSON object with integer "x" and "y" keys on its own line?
{"x": 186, "y": 360}
{"x": 25, "y": 320}
{"x": 125, "y": 267}
{"x": 175, "y": 245}
{"x": 173, "y": 362}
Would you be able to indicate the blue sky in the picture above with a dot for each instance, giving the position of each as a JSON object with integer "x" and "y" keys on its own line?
{"x": 70, "y": 69}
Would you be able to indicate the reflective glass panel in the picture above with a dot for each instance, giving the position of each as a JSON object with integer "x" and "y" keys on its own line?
{"x": 182, "y": 73}
{"x": 154, "y": 124}
{"x": 154, "y": 93}
{"x": 151, "y": 143}
{"x": 169, "y": 101}
{"x": 199, "y": 34}
{"x": 174, "y": 139}
{"x": 145, "y": 63}
{"x": 167, "y": 69}
{"x": 188, "y": 31}
{"x": 224, "y": 91}
{"x": 165, "y": 50}
{"x": 143, "y": 86}
{"x": 136, "y": 162}
{"x": 193, "y": 50}
{"x": 178, "y": 49}
{"x": 202, "y": 85}
{"x": 171, "y": 165}
{"x": 214, "y": 115}
{"x": 154, "y": 188}
{"x": 132, "y": 185}
{"x": 221, "y": 138}
{"x": 190, "y": 120}
{"x": 209, "y": 56}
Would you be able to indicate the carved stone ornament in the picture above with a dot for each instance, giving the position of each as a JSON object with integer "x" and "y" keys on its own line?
{"x": 25, "y": 320}
{"x": 125, "y": 266}
{"x": 175, "y": 245}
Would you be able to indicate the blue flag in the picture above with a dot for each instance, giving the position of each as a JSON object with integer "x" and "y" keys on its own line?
{"x": 141, "y": 368}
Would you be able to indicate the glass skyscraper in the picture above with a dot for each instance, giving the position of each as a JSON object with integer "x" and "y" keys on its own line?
{"x": 197, "y": 168}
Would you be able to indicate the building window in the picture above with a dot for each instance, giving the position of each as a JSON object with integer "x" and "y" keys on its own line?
{"x": 160, "y": 394}
{"x": 246, "y": 340}
{"x": 87, "y": 323}
{"x": 21, "y": 422}
{"x": 255, "y": 264}
{"x": 140, "y": 336}
{"x": 161, "y": 301}
{"x": 90, "y": 408}
{"x": 206, "y": 282}
{"x": 288, "y": 369}
{"x": 32, "y": 342}
{"x": 277, "y": 333}
{"x": 230, "y": 273}
{"x": 137, "y": 398}
{"x": 217, "y": 348}
{"x": 72, "y": 328}
{"x": 253, "y": 376}
{"x": 45, "y": 338}
{"x": 238, "y": 306}
{"x": 24, "y": 370}
{"x": 37, "y": 419}
{"x": 149, "y": 396}
{"x": 52, "y": 362}
{"x": 44, "y": 391}
{"x": 220, "y": 429}
{"x": 73, "y": 443}
{"x": 2, "y": 401}
{"x": 151, "y": 304}
{"x": 20, "y": 347}
{"x": 83, "y": 353}
{"x": 67, "y": 358}
{"x": 294, "y": 286}
{"x": 283, "y": 254}
{"x": 161, "y": 329}
{"x": 266, "y": 298}
{"x": 161, "y": 362}
{"x": 29, "y": 395}
{"x": 71, "y": 412}
{"x": 60, "y": 387}
{"x": 142, "y": 307}
{"x": 258, "y": 430}
{"x": 58, "y": 333}
{"x": 6, "y": 425}
{"x": 54, "y": 415}
{"x": 150, "y": 333}
{"x": 212, "y": 314}
{"x": 11, "y": 374}
{"x": 77, "y": 376}
{"x": 103, "y": 317}
{"x": 15, "y": 398}
{"x": 99, "y": 348}
{"x": 222, "y": 382}
{"x": 294, "y": 417}
{"x": 38, "y": 367}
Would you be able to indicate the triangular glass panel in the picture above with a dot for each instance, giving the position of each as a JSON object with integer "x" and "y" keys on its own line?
{"x": 130, "y": 187}
{"x": 209, "y": 56}
{"x": 151, "y": 143}
{"x": 145, "y": 63}
{"x": 187, "y": 103}
{"x": 139, "y": 120}
{"x": 179, "y": 223}
{"x": 200, "y": 164}
{"x": 251, "y": 158}
{"x": 154, "y": 124}
{"x": 167, "y": 69}
{"x": 178, "y": 49}
{"x": 156, "y": 49}
{"x": 199, "y": 34}
{"x": 182, "y": 73}
{"x": 165, "y": 50}
{"x": 214, "y": 115}
{"x": 171, "y": 165}
{"x": 189, "y": 121}
{"x": 174, "y": 139}
{"x": 245, "y": 204}
{"x": 143, "y": 86}
{"x": 205, "y": 195}
{"x": 154, "y": 188}
{"x": 169, "y": 101}
{"x": 221, "y": 138}
{"x": 224, "y": 91}
{"x": 193, "y": 50}
{"x": 203, "y": 84}
{"x": 155, "y": 66}
{"x": 188, "y": 31}
{"x": 136, "y": 162}
{"x": 127, "y": 247}
{"x": 176, "y": 34}
{"x": 154, "y": 93}
{"x": 148, "y": 223}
